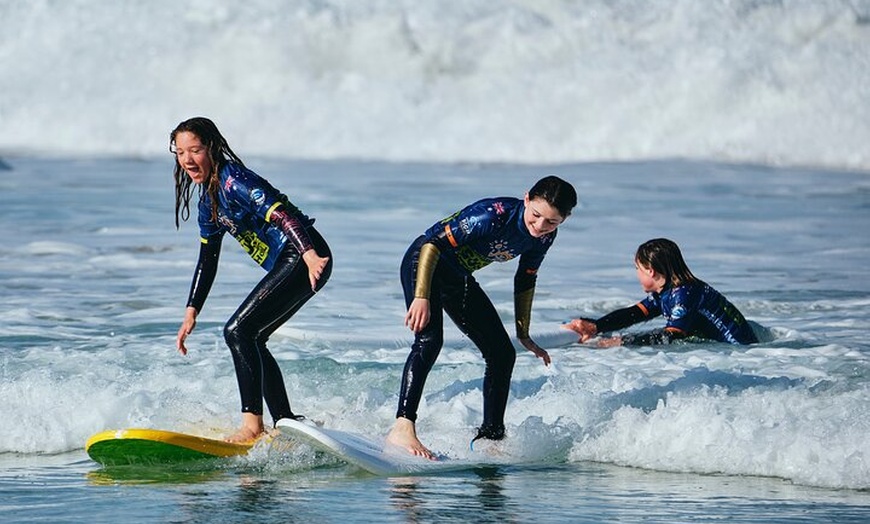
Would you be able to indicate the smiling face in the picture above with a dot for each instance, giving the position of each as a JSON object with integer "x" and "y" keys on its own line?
{"x": 192, "y": 155}
{"x": 540, "y": 217}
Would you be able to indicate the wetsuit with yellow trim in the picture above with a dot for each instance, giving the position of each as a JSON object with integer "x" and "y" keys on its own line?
{"x": 692, "y": 310}
{"x": 275, "y": 233}
{"x": 439, "y": 265}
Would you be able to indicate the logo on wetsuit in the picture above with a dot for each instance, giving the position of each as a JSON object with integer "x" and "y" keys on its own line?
{"x": 253, "y": 246}
{"x": 467, "y": 224}
{"x": 500, "y": 251}
{"x": 258, "y": 196}
{"x": 471, "y": 259}
{"x": 250, "y": 242}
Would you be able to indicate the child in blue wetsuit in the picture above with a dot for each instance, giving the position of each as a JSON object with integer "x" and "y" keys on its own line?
{"x": 276, "y": 234}
{"x": 691, "y": 307}
{"x": 436, "y": 275}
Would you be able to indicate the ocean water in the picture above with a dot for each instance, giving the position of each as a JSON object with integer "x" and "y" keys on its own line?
{"x": 736, "y": 128}
{"x": 96, "y": 276}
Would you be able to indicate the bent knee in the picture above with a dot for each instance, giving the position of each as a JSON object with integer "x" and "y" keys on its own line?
{"x": 235, "y": 334}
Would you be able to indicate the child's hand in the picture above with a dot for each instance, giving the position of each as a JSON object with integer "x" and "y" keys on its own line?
{"x": 315, "y": 264}
{"x": 585, "y": 328}
{"x": 417, "y": 316}
{"x": 186, "y": 328}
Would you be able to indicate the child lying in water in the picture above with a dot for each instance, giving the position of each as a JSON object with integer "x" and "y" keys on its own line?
{"x": 691, "y": 307}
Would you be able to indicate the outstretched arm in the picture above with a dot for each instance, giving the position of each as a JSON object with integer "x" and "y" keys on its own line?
{"x": 616, "y": 320}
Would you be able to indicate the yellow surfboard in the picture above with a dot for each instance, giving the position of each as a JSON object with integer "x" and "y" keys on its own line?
{"x": 155, "y": 446}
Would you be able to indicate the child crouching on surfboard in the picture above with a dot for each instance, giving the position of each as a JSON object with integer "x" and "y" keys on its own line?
{"x": 691, "y": 307}
{"x": 274, "y": 232}
{"x": 437, "y": 277}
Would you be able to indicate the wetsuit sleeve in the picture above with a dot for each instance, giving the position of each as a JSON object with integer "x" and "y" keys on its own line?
{"x": 429, "y": 255}
{"x": 446, "y": 239}
{"x": 473, "y": 222}
{"x": 206, "y": 269}
{"x": 524, "y": 294}
{"x": 531, "y": 261}
{"x": 622, "y": 318}
{"x": 644, "y": 310}
{"x": 292, "y": 227}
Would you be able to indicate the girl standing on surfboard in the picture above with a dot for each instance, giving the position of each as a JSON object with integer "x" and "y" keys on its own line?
{"x": 692, "y": 308}
{"x": 436, "y": 275}
{"x": 274, "y": 232}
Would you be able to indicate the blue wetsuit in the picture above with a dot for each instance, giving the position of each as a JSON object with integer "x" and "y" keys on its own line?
{"x": 489, "y": 230}
{"x": 693, "y": 309}
{"x": 246, "y": 202}
{"x": 275, "y": 234}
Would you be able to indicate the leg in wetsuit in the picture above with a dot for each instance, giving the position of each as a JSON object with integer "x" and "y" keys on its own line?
{"x": 276, "y": 298}
{"x": 472, "y": 311}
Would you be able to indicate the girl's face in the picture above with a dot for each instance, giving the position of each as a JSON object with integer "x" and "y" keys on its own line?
{"x": 650, "y": 281}
{"x": 192, "y": 156}
{"x": 540, "y": 217}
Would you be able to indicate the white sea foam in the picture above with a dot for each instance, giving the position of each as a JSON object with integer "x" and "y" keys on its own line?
{"x": 515, "y": 81}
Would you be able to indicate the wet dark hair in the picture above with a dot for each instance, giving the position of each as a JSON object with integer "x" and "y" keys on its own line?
{"x": 664, "y": 257}
{"x": 219, "y": 153}
{"x": 556, "y": 192}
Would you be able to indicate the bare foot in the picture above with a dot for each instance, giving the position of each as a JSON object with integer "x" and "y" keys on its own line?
{"x": 252, "y": 427}
{"x": 243, "y": 435}
{"x": 404, "y": 435}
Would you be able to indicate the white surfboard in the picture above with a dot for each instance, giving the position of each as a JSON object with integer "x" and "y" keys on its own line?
{"x": 552, "y": 336}
{"x": 365, "y": 452}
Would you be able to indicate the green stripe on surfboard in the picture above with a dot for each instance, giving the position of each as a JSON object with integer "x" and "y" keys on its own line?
{"x": 153, "y": 446}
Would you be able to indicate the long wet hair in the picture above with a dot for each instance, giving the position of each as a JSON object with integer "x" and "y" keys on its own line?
{"x": 556, "y": 192}
{"x": 664, "y": 257}
{"x": 219, "y": 153}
